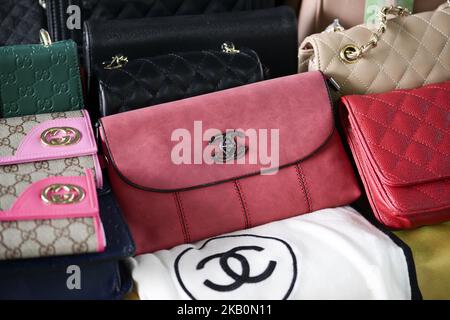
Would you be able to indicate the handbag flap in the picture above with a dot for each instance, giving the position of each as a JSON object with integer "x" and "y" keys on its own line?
{"x": 141, "y": 143}
{"x": 37, "y": 79}
{"x": 405, "y": 133}
{"x": 413, "y": 52}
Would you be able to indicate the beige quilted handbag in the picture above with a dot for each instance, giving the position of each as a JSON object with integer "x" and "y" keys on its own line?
{"x": 406, "y": 52}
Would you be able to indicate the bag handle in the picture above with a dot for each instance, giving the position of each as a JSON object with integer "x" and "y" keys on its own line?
{"x": 351, "y": 52}
{"x": 45, "y": 38}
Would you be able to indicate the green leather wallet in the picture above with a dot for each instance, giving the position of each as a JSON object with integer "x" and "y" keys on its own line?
{"x": 39, "y": 78}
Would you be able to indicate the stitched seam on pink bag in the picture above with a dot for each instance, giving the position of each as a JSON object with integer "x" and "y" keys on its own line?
{"x": 180, "y": 217}
{"x": 238, "y": 192}
{"x": 244, "y": 201}
{"x": 303, "y": 186}
{"x": 183, "y": 213}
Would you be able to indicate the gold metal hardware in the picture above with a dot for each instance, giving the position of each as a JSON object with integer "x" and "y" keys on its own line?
{"x": 62, "y": 194}
{"x": 351, "y": 52}
{"x": 60, "y": 136}
{"x": 228, "y": 47}
{"x": 116, "y": 62}
{"x": 335, "y": 26}
{"x": 227, "y": 147}
{"x": 45, "y": 38}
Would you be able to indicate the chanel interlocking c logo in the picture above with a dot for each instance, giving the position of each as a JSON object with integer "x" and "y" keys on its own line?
{"x": 60, "y": 136}
{"x": 61, "y": 194}
{"x": 239, "y": 265}
{"x": 228, "y": 147}
{"x": 239, "y": 279}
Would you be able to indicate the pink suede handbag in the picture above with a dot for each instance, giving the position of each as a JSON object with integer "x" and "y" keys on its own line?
{"x": 172, "y": 195}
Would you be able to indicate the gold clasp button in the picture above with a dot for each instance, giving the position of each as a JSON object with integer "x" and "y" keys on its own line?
{"x": 350, "y": 53}
{"x": 62, "y": 194}
{"x": 60, "y": 136}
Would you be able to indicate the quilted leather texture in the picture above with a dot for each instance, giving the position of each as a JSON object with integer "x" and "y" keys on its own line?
{"x": 20, "y": 21}
{"x": 413, "y": 52}
{"x": 272, "y": 33}
{"x": 401, "y": 143}
{"x": 99, "y": 10}
{"x": 150, "y": 81}
{"x": 35, "y": 79}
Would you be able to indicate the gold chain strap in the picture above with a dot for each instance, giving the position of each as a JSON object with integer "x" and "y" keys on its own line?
{"x": 351, "y": 52}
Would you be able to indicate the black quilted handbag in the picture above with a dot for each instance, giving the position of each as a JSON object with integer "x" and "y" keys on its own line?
{"x": 101, "y": 10}
{"x": 149, "y": 81}
{"x": 20, "y": 21}
{"x": 271, "y": 33}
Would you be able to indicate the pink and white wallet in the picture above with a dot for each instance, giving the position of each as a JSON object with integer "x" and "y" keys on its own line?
{"x": 49, "y": 171}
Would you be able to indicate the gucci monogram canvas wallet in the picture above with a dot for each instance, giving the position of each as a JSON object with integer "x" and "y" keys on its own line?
{"x": 36, "y": 79}
{"x": 48, "y": 198}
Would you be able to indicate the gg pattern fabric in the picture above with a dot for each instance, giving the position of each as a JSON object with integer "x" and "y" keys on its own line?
{"x": 26, "y": 239}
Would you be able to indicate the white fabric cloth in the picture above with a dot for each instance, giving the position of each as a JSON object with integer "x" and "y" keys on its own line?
{"x": 328, "y": 254}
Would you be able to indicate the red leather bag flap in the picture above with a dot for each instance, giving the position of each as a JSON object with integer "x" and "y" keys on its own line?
{"x": 405, "y": 133}
{"x": 139, "y": 143}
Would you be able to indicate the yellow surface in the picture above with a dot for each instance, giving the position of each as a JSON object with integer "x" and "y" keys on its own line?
{"x": 431, "y": 250}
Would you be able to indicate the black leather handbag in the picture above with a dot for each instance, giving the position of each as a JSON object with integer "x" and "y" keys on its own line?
{"x": 20, "y": 21}
{"x": 124, "y": 86}
{"x": 102, "y": 276}
{"x": 271, "y": 33}
{"x": 102, "y": 10}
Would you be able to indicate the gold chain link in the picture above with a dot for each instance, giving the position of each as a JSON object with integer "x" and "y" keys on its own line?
{"x": 351, "y": 53}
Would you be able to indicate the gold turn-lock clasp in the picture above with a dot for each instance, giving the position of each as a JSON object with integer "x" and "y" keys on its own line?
{"x": 117, "y": 62}
{"x": 60, "y": 136}
{"x": 63, "y": 194}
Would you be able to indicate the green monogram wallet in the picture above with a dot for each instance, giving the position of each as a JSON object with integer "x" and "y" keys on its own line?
{"x": 39, "y": 78}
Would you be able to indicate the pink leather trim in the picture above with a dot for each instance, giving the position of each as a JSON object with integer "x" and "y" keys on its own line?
{"x": 98, "y": 172}
{"x": 31, "y": 149}
{"x": 140, "y": 141}
{"x": 29, "y": 205}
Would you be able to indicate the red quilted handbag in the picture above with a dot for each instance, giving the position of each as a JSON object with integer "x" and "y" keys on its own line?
{"x": 167, "y": 203}
{"x": 401, "y": 144}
